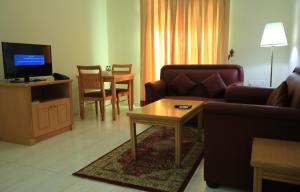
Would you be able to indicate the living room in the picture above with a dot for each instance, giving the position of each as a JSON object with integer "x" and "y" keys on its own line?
{"x": 104, "y": 32}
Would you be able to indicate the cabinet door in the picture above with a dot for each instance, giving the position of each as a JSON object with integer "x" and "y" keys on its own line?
{"x": 41, "y": 118}
{"x": 50, "y": 116}
{"x": 62, "y": 114}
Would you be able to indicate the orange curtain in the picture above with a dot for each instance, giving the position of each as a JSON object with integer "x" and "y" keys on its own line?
{"x": 182, "y": 32}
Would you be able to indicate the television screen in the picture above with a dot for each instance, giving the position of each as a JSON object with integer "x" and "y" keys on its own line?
{"x": 29, "y": 60}
{"x": 26, "y": 60}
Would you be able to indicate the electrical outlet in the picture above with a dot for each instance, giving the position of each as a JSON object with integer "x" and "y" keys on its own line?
{"x": 257, "y": 83}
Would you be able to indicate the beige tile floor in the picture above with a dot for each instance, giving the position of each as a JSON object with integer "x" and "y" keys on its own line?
{"x": 48, "y": 166}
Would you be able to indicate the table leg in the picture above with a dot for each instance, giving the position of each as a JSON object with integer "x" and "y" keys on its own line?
{"x": 131, "y": 94}
{"x": 133, "y": 137}
{"x": 178, "y": 131}
{"x": 257, "y": 180}
{"x": 114, "y": 96}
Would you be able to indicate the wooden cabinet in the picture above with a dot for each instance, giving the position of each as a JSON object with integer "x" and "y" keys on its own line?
{"x": 30, "y": 112}
{"x": 50, "y": 116}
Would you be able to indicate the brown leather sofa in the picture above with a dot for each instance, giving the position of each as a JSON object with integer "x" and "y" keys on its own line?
{"x": 187, "y": 82}
{"x": 230, "y": 127}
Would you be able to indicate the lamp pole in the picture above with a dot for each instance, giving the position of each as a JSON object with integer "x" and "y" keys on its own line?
{"x": 273, "y": 36}
{"x": 271, "y": 74}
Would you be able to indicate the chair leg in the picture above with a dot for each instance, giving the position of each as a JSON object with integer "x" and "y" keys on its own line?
{"x": 102, "y": 109}
{"x": 96, "y": 107}
{"x": 81, "y": 105}
{"x": 118, "y": 104}
{"x": 129, "y": 103}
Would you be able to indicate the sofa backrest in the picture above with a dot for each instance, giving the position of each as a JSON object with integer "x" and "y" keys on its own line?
{"x": 293, "y": 82}
{"x": 197, "y": 73}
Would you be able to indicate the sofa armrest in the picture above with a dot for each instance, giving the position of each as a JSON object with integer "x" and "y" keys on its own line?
{"x": 229, "y": 129}
{"x": 253, "y": 111}
{"x": 249, "y": 95}
{"x": 155, "y": 90}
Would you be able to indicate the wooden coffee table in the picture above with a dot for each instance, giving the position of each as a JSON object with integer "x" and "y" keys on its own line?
{"x": 276, "y": 160}
{"x": 164, "y": 113}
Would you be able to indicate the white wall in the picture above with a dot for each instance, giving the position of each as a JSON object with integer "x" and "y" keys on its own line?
{"x": 76, "y": 30}
{"x": 123, "y": 18}
{"x": 247, "y": 21}
{"x": 295, "y": 39}
{"x": 81, "y": 32}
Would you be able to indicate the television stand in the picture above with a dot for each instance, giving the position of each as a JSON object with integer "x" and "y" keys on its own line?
{"x": 36, "y": 80}
{"x": 26, "y": 80}
{"x": 16, "y": 81}
{"x": 34, "y": 111}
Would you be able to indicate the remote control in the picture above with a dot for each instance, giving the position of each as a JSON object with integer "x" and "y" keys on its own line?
{"x": 183, "y": 106}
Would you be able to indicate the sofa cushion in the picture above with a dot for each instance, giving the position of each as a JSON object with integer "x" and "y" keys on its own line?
{"x": 182, "y": 84}
{"x": 293, "y": 83}
{"x": 279, "y": 97}
{"x": 198, "y": 91}
{"x": 214, "y": 85}
{"x": 197, "y": 73}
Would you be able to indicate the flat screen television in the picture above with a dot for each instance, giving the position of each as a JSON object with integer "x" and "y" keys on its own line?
{"x": 26, "y": 60}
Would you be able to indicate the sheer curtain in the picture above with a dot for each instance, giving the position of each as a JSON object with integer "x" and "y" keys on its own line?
{"x": 182, "y": 32}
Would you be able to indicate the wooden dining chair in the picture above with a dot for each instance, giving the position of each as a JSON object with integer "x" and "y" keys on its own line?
{"x": 91, "y": 88}
{"x": 122, "y": 88}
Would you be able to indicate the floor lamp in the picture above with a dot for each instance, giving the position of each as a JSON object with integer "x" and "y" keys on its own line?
{"x": 273, "y": 36}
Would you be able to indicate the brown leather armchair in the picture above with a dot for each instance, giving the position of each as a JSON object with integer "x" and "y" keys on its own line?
{"x": 230, "y": 127}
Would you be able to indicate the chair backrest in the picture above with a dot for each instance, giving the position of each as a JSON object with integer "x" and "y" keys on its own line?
{"x": 121, "y": 68}
{"x": 90, "y": 78}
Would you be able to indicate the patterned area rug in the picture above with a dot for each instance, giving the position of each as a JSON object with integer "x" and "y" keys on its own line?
{"x": 154, "y": 169}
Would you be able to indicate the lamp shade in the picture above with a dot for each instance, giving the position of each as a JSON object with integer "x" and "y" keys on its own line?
{"x": 274, "y": 35}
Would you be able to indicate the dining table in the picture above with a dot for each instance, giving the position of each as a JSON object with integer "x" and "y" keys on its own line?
{"x": 114, "y": 79}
